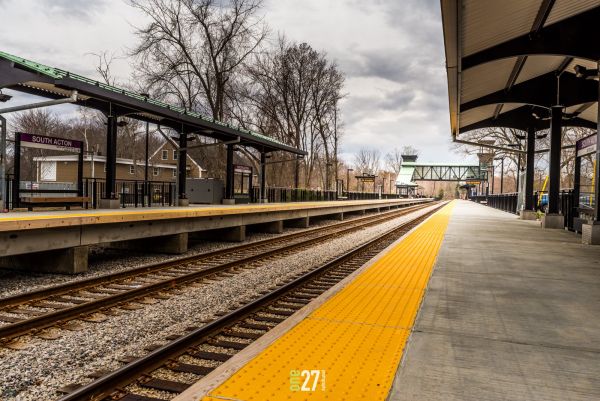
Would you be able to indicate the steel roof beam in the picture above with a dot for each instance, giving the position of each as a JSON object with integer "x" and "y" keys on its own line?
{"x": 522, "y": 118}
{"x": 541, "y": 91}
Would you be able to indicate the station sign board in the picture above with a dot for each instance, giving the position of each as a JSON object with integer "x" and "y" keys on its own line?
{"x": 586, "y": 146}
{"x": 48, "y": 142}
{"x": 241, "y": 169}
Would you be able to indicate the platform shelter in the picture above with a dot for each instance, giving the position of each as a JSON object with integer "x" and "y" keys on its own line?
{"x": 62, "y": 86}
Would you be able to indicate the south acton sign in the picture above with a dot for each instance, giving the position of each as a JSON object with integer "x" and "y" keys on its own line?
{"x": 48, "y": 142}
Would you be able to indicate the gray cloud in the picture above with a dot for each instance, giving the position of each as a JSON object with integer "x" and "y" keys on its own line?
{"x": 85, "y": 9}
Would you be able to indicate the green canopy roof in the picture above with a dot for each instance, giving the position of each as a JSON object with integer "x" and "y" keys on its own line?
{"x": 146, "y": 106}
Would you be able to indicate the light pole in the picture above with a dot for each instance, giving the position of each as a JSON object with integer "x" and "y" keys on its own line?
{"x": 327, "y": 166}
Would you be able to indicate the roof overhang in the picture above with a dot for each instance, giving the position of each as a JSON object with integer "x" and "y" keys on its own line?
{"x": 34, "y": 78}
{"x": 508, "y": 61}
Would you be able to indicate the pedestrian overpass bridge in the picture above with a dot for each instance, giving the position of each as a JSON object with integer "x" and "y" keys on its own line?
{"x": 412, "y": 171}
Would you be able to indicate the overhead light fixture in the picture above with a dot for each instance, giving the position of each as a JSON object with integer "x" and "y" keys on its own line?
{"x": 537, "y": 117}
{"x": 585, "y": 73}
{"x": 4, "y": 97}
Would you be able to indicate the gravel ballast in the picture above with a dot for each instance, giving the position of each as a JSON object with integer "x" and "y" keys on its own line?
{"x": 46, "y": 365}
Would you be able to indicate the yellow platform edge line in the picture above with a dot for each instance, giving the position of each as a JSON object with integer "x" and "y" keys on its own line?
{"x": 358, "y": 355}
{"x": 192, "y": 211}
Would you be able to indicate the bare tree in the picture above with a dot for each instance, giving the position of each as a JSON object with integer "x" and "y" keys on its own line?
{"x": 393, "y": 160}
{"x": 191, "y": 49}
{"x": 294, "y": 91}
{"x": 367, "y": 161}
{"x": 409, "y": 150}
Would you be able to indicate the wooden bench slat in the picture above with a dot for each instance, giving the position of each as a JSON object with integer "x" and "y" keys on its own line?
{"x": 69, "y": 199}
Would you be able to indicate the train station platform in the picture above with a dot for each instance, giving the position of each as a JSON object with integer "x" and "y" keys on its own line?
{"x": 65, "y": 235}
{"x": 473, "y": 304}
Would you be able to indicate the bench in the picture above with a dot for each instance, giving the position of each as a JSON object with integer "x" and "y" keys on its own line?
{"x": 66, "y": 201}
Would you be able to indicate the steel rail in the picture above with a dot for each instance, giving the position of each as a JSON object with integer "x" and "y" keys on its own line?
{"x": 106, "y": 385}
{"x": 61, "y": 289}
{"x": 60, "y": 316}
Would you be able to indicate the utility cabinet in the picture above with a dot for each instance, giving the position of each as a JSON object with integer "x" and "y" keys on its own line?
{"x": 204, "y": 190}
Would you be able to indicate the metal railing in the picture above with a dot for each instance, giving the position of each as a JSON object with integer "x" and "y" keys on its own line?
{"x": 130, "y": 193}
{"x": 508, "y": 203}
{"x": 275, "y": 194}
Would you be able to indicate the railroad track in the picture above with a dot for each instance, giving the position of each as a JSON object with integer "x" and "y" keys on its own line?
{"x": 92, "y": 299}
{"x": 200, "y": 351}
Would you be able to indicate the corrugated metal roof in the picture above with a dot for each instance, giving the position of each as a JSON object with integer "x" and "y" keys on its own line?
{"x": 486, "y": 23}
{"x": 567, "y": 8}
{"x": 485, "y": 79}
{"x": 538, "y": 65}
{"x": 57, "y": 73}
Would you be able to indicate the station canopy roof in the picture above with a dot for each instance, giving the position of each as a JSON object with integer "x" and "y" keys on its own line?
{"x": 509, "y": 61}
{"x": 31, "y": 77}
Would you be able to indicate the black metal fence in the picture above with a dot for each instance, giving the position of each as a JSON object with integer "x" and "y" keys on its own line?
{"x": 274, "y": 194}
{"x": 131, "y": 193}
{"x": 508, "y": 203}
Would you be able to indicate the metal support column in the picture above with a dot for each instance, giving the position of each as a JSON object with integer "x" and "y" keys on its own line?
{"x": 17, "y": 171}
{"x": 80, "y": 172}
{"x": 576, "y": 181}
{"x": 597, "y": 170}
{"x": 181, "y": 160}
{"x": 263, "y": 171}
{"x": 146, "y": 194}
{"x": 502, "y": 176}
{"x": 555, "y": 149}
{"x": 111, "y": 157}
{"x": 529, "y": 166}
{"x": 3, "y": 191}
{"x": 229, "y": 173}
{"x": 518, "y": 172}
{"x": 493, "y": 176}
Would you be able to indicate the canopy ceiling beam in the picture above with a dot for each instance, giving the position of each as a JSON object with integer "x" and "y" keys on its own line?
{"x": 541, "y": 91}
{"x": 522, "y": 118}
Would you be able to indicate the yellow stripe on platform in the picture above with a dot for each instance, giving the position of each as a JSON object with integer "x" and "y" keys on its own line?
{"x": 355, "y": 339}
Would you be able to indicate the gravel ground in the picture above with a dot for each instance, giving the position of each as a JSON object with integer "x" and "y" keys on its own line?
{"x": 37, "y": 372}
{"x": 104, "y": 261}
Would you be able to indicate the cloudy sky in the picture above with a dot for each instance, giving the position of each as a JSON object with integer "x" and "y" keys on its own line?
{"x": 391, "y": 52}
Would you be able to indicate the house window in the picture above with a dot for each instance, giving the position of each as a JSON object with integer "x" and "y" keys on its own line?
{"x": 175, "y": 154}
{"x": 48, "y": 171}
{"x": 132, "y": 169}
{"x": 174, "y": 173}
{"x": 165, "y": 155}
{"x": 155, "y": 171}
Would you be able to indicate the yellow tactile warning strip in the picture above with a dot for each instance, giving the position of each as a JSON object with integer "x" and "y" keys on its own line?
{"x": 350, "y": 347}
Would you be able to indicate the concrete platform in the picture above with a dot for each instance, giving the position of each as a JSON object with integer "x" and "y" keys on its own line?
{"x": 512, "y": 312}
{"x": 351, "y": 337}
{"x": 36, "y": 232}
